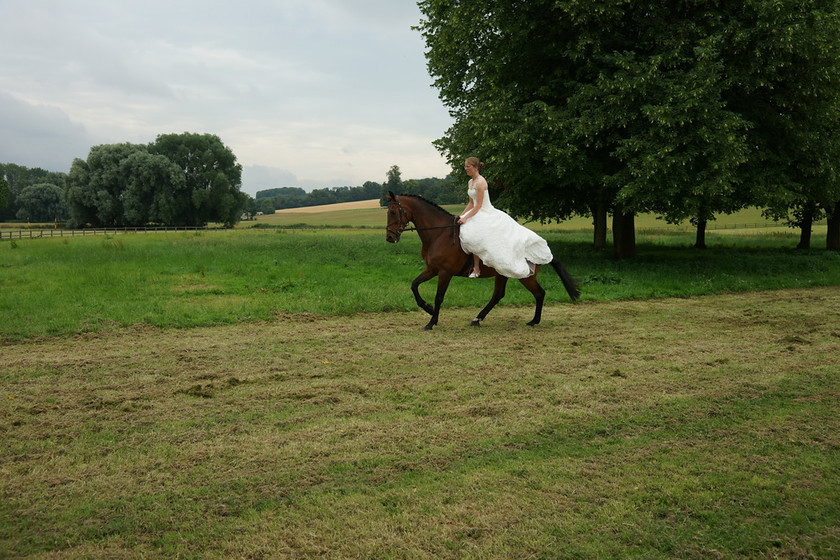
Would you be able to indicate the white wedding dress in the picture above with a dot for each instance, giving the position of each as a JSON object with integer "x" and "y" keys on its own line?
{"x": 501, "y": 242}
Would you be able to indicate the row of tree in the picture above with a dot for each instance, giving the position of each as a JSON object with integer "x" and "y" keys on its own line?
{"x": 295, "y": 197}
{"x": 683, "y": 108}
{"x": 449, "y": 190}
{"x": 442, "y": 191}
{"x": 179, "y": 179}
{"x": 31, "y": 194}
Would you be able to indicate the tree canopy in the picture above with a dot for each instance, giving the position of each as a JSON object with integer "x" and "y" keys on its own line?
{"x": 441, "y": 191}
{"x": 180, "y": 179}
{"x": 685, "y": 108}
{"x": 212, "y": 178}
{"x": 16, "y": 179}
{"x": 5, "y": 192}
{"x": 41, "y": 203}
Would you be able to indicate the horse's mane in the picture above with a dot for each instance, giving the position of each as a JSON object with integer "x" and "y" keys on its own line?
{"x": 429, "y": 202}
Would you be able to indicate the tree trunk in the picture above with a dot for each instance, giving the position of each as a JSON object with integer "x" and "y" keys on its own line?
{"x": 624, "y": 235}
{"x": 806, "y": 224}
{"x": 700, "y": 238}
{"x": 832, "y": 238}
{"x": 599, "y": 220}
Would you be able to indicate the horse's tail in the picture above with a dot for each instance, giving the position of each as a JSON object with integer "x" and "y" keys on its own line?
{"x": 566, "y": 278}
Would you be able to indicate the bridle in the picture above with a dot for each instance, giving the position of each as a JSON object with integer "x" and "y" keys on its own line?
{"x": 402, "y": 219}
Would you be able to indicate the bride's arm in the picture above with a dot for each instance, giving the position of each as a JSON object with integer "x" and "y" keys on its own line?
{"x": 480, "y": 190}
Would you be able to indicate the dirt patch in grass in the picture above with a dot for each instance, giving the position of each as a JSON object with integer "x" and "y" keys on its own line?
{"x": 703, "y": 427}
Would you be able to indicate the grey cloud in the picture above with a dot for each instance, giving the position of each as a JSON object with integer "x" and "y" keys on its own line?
{"x": 320, "y": 88}
{"x": 40, "y": 135}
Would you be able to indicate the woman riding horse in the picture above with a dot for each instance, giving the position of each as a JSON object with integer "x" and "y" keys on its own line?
{"x": 444, "y": 257}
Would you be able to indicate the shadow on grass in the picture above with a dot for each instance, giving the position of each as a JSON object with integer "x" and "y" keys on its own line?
{"x": 668, "y": 268}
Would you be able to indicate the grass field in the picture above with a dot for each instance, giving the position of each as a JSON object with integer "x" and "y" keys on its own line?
{"x": 269, "y": 393}
{"x": 689, "y": 428}
{"x": 60, "y": 287}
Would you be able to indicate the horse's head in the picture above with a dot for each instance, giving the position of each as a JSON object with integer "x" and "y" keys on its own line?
{"x": 398, "y": 219}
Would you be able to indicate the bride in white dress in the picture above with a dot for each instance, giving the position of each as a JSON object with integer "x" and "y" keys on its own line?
{"x": 495, "y": 238}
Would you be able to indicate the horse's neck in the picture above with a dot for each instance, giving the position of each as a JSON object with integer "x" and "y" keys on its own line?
{"x": 425, "y": 215}
{"x": 432, "y": 223}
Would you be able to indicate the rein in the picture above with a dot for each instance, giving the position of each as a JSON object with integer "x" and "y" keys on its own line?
{"x": 431, "y": 227}
{"x": 404, "y": 222}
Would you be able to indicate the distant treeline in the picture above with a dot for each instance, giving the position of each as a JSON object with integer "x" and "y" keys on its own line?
{"x": 106, "y": 183}
{"x": 182, "y": 179}
{"x": 31, "y": 194}
{"x": 296, "y": 197}
{"x": 441, "y": 191}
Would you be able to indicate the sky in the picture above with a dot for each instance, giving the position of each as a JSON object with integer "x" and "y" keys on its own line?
{"x": 308, "y": 93}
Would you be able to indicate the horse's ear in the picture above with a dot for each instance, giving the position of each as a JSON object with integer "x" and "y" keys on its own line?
{"x": 391, "y": 195}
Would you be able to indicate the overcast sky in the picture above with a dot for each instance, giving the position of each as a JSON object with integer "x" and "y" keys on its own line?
{"x": 311, "y": 93}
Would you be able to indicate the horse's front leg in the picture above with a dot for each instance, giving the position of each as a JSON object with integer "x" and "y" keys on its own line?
{"x": 498, "y": 294}
{"x": 415, "y": 289}
{"x": 442, "y": 286}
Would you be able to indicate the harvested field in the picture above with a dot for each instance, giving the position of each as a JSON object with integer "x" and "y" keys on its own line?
{"x": 701, "y": 427}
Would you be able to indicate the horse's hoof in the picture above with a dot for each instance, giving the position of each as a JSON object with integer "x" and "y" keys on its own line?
{"x": 532, "y": 323}
{"x": 429, "y": 327}
{"x": 475, "y": 323}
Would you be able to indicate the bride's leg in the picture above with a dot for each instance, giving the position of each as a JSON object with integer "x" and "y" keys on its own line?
{"x": 476, "y": 271}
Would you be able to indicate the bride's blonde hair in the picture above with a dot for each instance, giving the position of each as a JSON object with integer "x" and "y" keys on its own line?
{"x": 475, "y": 162}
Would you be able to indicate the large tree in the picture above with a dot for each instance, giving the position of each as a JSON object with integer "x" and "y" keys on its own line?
{"x": 786, "y": 56}
{"x": 41, "y": 203}
{"x": 616, "y": 107}
{"x": 180, "y": 179}
{"x": 17, "y": 178}
{"x": 95, "y": 187}
{"x": 151, "y": 184}
{"x": 213, "y": 178}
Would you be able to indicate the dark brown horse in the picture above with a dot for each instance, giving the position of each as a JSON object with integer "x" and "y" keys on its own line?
{"x": 444, "y": 257}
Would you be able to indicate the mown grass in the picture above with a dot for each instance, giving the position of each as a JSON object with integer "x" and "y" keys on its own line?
{"x": 57, "y": 287}
{"x": 672, "y": 428}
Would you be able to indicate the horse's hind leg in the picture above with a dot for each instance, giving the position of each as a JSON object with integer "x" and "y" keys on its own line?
{"x": 498, "y": 294}
{"x": 539, "y": 295}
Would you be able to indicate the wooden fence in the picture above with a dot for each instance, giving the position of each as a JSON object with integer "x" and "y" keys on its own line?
{"x": 40, "y": 233}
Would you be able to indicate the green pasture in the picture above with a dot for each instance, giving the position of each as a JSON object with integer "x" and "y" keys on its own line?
{"x": 64, "y": 286}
